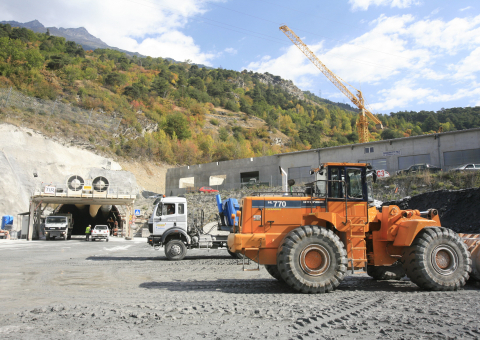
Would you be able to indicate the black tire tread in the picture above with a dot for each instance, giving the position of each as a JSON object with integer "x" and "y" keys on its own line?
{"x": 272, "y": 269}
{"x": 285, "y": 260}
{"x": 415, "y": 257}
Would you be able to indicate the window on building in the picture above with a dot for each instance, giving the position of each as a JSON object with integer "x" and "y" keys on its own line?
{"x": 245, "y": 177}
{"x": 217, "y": 180}
{"x": 377, "y": 164}
{"x": 405, "y": 162}
{"x": 301, "y": 174}
{"x": 453, "y": 158}
{"x": 186, "y": 182}
{"x": 369, "y": 149}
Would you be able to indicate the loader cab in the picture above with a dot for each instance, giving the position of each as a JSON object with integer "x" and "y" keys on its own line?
{"x": 342, "y": 181}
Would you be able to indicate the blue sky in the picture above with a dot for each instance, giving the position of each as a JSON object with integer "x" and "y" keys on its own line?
{"x": 403, "y": 54}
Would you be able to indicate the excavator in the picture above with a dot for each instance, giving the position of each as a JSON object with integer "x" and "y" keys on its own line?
{"x": 357, "y": 100}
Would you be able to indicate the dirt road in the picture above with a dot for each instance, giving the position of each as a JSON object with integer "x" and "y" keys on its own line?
{"x": 125, "y": 290}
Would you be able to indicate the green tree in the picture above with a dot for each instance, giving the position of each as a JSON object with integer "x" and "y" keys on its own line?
{"x": 223, "y": 134}
{"x": 177, "y": 124}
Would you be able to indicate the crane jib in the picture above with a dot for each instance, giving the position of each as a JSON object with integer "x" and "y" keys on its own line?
{"x": 286, "y": 204}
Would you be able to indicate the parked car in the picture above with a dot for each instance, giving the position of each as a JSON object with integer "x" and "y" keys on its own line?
{"x": 467, "y": 167}
{"x": 419, "y": 168}
{"x": 100, "y": 232}
{"x": 207, "y": 190}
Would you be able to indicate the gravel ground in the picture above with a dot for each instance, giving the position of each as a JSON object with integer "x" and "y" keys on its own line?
{"x": 126, "y": 290}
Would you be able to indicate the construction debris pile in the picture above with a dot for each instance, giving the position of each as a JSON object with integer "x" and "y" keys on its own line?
{"x": 458, "y": 209}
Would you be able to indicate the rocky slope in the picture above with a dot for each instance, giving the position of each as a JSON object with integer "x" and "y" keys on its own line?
{"x": 25, "y": 152}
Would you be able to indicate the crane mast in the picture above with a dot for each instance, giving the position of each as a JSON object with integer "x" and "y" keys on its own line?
{"x": 362, "y": 123}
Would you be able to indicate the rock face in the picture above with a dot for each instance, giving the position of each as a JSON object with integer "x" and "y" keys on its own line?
{"x": 286, "y": 85}
{"x": 24, "y": 152}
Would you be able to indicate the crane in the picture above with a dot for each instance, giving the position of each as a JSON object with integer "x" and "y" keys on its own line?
{"x": 362, "y": 123}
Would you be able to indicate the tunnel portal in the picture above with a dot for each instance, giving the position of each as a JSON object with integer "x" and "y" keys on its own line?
{"x": 82, "y": 218}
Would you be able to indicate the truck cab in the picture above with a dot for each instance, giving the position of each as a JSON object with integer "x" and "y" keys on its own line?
{"x": 59, "y": 225}
{"x": 173, "y": 228}
{"x": 169, "y": 213}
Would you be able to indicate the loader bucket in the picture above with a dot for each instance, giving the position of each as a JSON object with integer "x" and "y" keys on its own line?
{"x": 473, "y": 244}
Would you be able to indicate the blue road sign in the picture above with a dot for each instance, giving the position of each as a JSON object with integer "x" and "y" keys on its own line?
{"x": 137, "y": 212}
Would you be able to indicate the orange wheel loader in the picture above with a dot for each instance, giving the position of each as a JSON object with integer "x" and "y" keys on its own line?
{"x": 310, "y": 240}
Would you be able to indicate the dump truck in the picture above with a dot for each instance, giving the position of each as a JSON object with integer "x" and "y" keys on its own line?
{"x": 311, "y": 240}
{"x": 59, "y": 225}
{"x": 173, "y": 227}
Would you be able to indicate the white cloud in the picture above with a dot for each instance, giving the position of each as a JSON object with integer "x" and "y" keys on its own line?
{"x": 231, "y": 50}
{"x": 372, "y": 57}
{"x": 465, "y": 8}
{"x": 151, "y": 28}
{"x": 402, "y": 93}
{"x": 450, "y": 36}
{"x": 467, "y": 68}
{"x": 291, "y": 65}
{"x": 364, "y": 4}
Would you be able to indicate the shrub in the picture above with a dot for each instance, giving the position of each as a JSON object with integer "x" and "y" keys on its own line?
{"x": 214, "y": 121}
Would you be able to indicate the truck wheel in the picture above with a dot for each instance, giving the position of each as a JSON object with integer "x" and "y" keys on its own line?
{"x": 312, "y": 260}
{"x": 393, "y": 272}
{"x": 235, "y": 255}
{"x": 175, "y": 250}
{"x": 273, "y": 270}
{"x": 47, "y": 237}
{"x": 437, "y": 260}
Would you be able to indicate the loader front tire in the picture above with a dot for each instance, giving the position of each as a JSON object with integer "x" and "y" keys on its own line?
{"x": 393, "y": 272}
{"x": 273, "y": 270}
{"x": 437, "y": 260}
{"x": 312, "y": 259}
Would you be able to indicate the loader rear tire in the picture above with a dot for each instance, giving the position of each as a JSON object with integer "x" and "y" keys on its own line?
{"x": 273, "y": 270}
{"x": 175, "y": 250}
{"x": 393, "y": 272}
{"x": 437, "y": 260}
{"x": 312, "y": 259}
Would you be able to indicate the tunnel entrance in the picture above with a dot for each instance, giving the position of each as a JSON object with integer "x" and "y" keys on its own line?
{"x": 82, "y": 217}
{"x": 86, "y": 208}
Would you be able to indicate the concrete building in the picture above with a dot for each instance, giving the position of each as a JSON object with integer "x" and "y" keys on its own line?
{"x": 447, "y": 150}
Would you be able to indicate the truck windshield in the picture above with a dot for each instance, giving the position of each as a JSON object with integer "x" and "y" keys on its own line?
{"x": 56, "y": 219}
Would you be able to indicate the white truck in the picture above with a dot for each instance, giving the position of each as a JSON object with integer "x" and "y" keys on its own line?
{"x": 170, "y": 228}
{"x": 100, "y": 232}
{"x": 59, "y": 225}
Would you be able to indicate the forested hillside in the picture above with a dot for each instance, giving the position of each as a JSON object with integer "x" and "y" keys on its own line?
{"x": 169, "y": 109}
